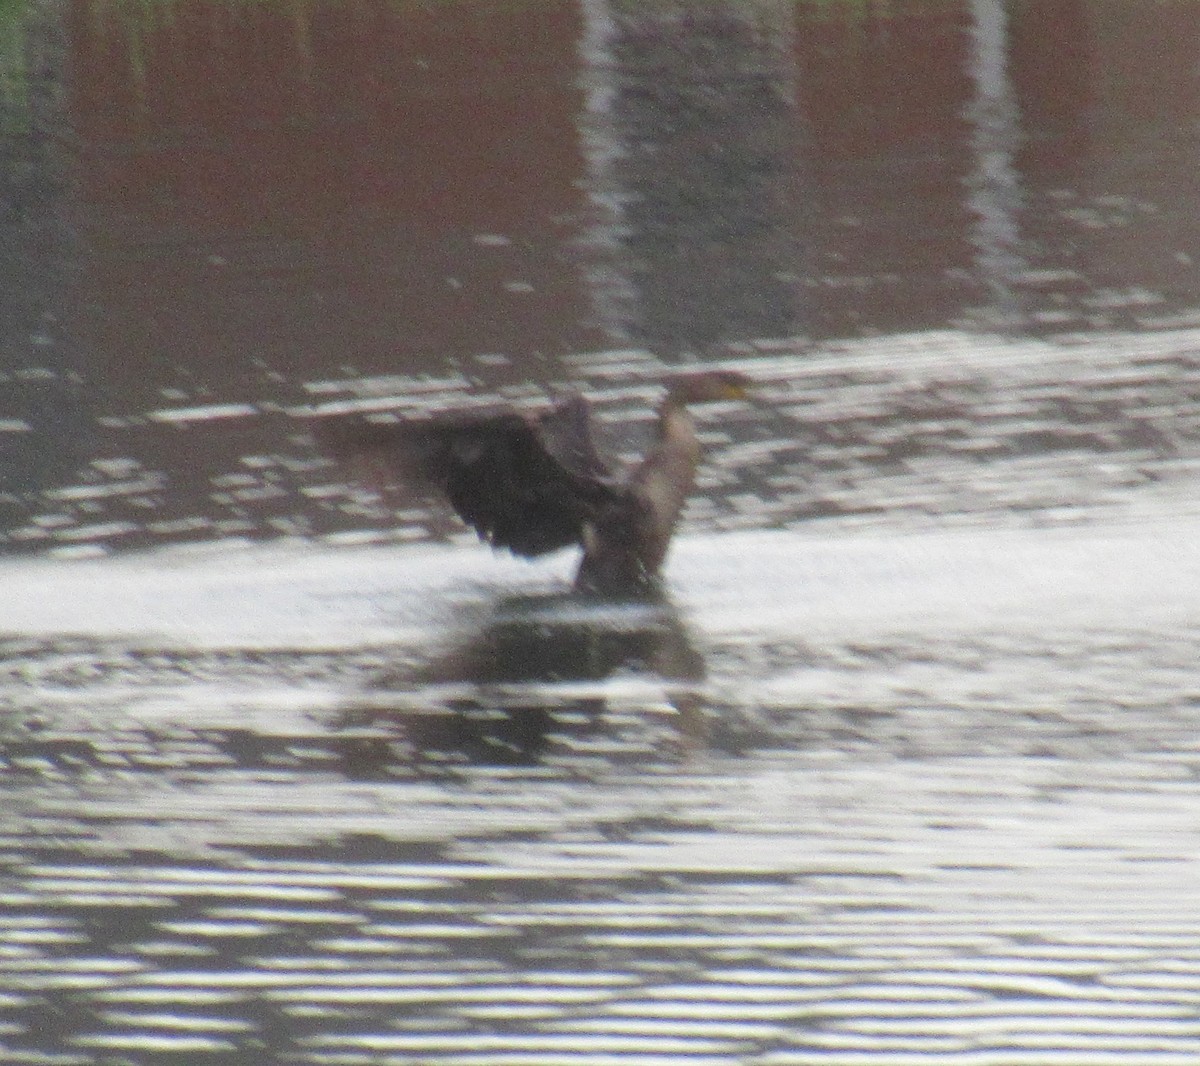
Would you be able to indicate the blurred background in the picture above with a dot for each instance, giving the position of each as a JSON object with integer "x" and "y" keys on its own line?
{"x": 220, "y": 216}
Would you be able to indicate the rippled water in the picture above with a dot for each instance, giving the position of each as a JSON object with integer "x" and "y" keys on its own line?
{"x": 931, "y": 798}
{"x": 948, "y": 426}
{"x": 902, "y": 770}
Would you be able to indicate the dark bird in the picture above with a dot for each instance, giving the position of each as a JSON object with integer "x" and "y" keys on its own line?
{"x": 532, "y": 482}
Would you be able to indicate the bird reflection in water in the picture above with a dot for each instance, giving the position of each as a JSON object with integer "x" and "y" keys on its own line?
{"x": 542, "y": 678}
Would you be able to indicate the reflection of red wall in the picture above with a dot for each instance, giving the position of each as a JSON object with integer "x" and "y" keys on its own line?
{"x": 1109, "y": 94}
{"x": 885, "y": 88}
{"x": 884, "y": 77}
{"x": 1050, "y": 59}
{"x": 304, "y": 185}
{"x": 1143, "y": 171}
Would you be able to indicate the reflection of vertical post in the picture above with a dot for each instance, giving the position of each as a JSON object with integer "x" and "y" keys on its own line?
{"x": 603, "y": 232}
{"x": 995, "y": 193}
{"x": 690, "y": 139}
{"x": 301, "y": 12}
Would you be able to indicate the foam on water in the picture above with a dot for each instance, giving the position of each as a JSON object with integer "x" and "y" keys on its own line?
{"x": 826, "y": 578}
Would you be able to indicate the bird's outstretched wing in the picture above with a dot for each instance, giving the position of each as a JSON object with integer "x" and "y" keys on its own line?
{"x": 524, "y": 482}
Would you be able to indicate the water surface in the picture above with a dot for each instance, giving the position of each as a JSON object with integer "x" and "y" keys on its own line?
{"x": 932, "y": 797}
{"x": 900, "y": 769}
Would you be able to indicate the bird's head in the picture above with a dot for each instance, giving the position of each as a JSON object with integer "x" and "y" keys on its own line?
{"x": 705, "y": 386}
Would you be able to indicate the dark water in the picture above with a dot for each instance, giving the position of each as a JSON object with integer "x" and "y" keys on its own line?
{"x": 902, "y": 769}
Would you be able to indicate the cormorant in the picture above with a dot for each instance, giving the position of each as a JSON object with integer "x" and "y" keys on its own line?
{"x": 533, "y": 483}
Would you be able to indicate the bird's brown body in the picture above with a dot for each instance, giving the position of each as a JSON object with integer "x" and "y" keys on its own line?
{"x": 533, "y": 483}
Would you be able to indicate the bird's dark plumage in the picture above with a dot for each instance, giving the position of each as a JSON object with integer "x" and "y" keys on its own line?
{"x": 533, "y": 483}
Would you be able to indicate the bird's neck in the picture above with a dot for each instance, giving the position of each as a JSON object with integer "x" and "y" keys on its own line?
{"x": 669, "y": 470}
{"x": 675, "y": 423}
